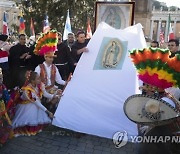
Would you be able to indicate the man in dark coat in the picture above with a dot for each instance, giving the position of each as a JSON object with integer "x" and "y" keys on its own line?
{"x": 18, "y": 58}
{"x": 64, "y": 60}
{"x": 70, "y": 40}
{"x": 79, "y": 46}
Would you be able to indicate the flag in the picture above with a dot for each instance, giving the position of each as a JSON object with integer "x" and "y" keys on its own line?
{"x": 46, "y": 26}
{"x": 88, "y": 32}
{"x": 67, "y": 28}
{"x": 5, "y": 27}
{"x": 22, "y": 24}
{"x": 161, "y": 37}
{"x": 170, "y": 31}
{"x": 32, "y": 33}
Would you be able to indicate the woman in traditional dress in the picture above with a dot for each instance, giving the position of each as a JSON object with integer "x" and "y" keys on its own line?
{"x": 31, "y": 116}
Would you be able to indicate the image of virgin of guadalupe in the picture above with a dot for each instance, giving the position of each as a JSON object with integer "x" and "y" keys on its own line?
{"x": 114, "y": 17}
{"x": 112, "y": 55}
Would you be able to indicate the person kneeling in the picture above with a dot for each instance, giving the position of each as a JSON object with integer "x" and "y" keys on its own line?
{"x": 31, "y": 116}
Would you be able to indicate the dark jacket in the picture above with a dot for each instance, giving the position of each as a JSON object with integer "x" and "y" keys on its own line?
{"x": 63, "y": 55}
{"x": 75, "y": 47}
{"x": 14, "y": 56}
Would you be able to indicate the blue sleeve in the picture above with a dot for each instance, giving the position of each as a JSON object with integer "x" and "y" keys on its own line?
{"x": 6, "y": 96}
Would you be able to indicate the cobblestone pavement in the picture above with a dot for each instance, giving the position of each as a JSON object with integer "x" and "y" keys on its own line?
{"x": 60, "y": 141}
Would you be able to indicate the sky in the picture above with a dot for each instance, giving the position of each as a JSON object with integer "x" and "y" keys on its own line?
{"x": 171, "y": 2}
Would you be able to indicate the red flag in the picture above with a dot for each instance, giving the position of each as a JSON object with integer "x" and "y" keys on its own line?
{"x": 171, "y": 33}
{"x": 88, "y": 32}
{"x": 5, "y": 26}
{"x": 32, "y": 33}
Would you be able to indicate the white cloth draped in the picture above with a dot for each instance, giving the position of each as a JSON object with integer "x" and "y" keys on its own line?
{"x": 93, "y": 100}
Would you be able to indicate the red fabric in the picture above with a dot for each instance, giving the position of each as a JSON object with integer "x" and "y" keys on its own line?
{"x": 171, "y": 36}
{"x": 3, "y": 54}
{"x": 29, "y": 130}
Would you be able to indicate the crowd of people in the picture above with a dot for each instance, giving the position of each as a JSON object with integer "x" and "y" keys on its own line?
{"x": 35, "y": 82}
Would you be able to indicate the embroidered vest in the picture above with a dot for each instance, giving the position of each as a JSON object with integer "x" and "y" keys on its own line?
{"x": 43, "y": 75}
{"x": 29, "y": 89}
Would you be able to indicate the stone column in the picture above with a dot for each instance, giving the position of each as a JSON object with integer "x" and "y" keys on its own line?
{"x": 175, "y": 27}
{"x": 151, "y": 29}
{"x": 159, "y": 28}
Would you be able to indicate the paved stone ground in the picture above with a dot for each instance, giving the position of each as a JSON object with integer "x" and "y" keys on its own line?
{"x": 59, "y": 141}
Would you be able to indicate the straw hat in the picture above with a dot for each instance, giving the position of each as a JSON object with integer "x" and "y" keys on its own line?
{"x": 149, "y": 110}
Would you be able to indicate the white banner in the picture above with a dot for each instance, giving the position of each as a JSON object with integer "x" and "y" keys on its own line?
{"x": 103, "y": 79}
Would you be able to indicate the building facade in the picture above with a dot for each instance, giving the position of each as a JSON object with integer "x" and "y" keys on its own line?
{"x": 160, "y": 22}
{"x": 155, "y": 20}
{"x": 12, "y": 13}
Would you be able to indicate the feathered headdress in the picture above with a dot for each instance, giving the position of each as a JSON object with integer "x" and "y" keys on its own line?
{"x": 156, "y": 68}
{"x": 46, "y": 43}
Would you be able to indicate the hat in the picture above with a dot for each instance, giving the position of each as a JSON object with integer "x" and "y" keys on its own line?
{"x": 46, "y": 45}
{"x": 149, "y": 110}
{"x": 156, "y": 68}
{"x": 152, "y": 106}
{"x": 3, "y": 37}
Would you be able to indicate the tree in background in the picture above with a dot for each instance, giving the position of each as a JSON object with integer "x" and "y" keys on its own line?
{"x": 56, "y": 10}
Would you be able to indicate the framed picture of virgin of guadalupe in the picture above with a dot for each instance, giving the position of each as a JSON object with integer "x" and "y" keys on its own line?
{"x": 116, "y": 14}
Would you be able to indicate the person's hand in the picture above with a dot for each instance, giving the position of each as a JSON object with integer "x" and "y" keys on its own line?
{"x": 28, "y": 56}
{"x": 24, "y": 55}
{"x": 75, "y": 64}
{"x": 85, "y": 49}
{"x": 50, "y": 114}
{"x": 59, "y": 92}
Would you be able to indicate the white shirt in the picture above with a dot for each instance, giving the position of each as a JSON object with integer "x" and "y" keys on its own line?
{"x": 58, "y": 78}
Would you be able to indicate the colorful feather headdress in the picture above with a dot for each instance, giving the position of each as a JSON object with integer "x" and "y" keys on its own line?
{"x": 156, "y": 68}
{"x": 46, "y": 43}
